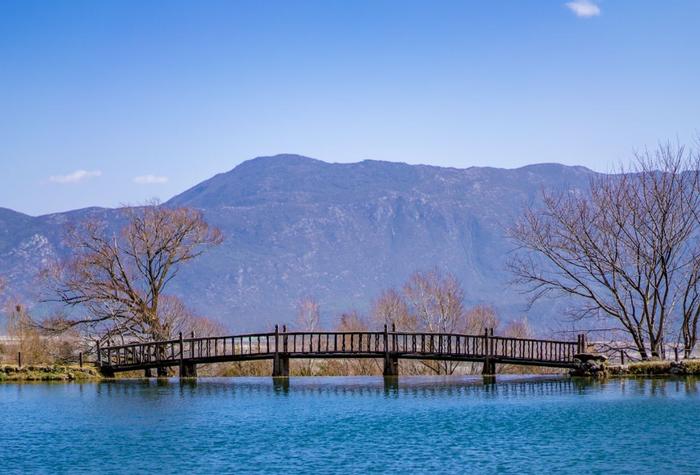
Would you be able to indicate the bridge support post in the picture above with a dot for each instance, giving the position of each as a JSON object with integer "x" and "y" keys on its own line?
{"x": 280, "y": 360}
{"x": 280, "y": 366}
{"x": 182, "y": 355}
{"x": 489, "y": 368}
{"x": 391, "y": 361}
{"x": 188, "y": 370}
{"x": 489, "y": 364}
{"x": 391, "y": 365}
{"x": 161, "y": 371}
{"x": 106, "y": 372}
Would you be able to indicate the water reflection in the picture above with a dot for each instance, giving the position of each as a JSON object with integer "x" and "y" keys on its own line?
{"x": 487, "y": 387}
{"x": 281, "y": 385}
{"x": 659, "y": 387}
{"x": 391, "y": 386}
{"x": 414, "y": 387}
{"x": 583, "y": 385}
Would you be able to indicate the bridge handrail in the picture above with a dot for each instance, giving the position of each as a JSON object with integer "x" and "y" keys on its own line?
{"x": 533, "y": 340}
{"x": 324, "y": 333}
{"x": 139, "y": 343}
{"x": 185, "y": 340}
{"x": 219, "y": 337}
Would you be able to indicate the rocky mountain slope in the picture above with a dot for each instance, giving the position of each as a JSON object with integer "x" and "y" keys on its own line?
{"x": 296, "y": 227}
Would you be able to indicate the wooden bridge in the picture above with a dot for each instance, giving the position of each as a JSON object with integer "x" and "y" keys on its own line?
{"x": 390, "y": 346}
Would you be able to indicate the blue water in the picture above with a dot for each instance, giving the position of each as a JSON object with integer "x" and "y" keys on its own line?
{"x": 352, "y": 425}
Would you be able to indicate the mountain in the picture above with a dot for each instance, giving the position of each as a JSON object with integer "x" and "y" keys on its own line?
{"x": 296, "y": 226}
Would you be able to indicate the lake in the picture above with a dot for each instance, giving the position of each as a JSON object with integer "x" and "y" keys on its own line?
{"x": 352, "y": 425}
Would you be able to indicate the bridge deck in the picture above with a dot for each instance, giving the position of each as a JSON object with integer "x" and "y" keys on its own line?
{"x": 383, "y": 344}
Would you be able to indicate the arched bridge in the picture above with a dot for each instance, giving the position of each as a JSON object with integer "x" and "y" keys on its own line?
{"x": 280, "y": 347}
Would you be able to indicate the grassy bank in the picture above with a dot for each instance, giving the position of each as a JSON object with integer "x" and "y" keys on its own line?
{"x": 48, "y": 373}
{"x": 657, "y": 368}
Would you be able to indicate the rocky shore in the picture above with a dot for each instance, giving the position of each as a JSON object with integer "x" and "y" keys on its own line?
{"x": 590, "y": 365}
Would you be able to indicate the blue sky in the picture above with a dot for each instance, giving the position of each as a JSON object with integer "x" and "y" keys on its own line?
{"x": 103, "y": 103}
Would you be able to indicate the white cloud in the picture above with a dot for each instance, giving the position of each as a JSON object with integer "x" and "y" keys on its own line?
{"x": 584, "y": 8}
{"x": 75, "y": 177}
{"x": 150, "y": 180}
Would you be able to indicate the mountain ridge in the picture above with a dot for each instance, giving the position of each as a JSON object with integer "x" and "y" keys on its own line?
{"x": 340, "y": 232}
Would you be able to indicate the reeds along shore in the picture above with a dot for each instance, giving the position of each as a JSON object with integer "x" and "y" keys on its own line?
{"x": 371, "y": 367}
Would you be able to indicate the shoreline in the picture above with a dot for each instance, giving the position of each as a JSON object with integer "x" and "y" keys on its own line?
{"x": 70, "y": 373}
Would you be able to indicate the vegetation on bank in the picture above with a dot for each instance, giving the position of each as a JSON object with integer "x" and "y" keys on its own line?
{"x": 657, "y": 368}
{"x": 48, "y": 373}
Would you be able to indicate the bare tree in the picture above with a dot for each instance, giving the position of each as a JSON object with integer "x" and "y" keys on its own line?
{"x": 480, "y": 318}
{"x": 179, "y": 318}
{"x": 120, "y": 278}
{"x": 309, "y": 320}
{"x": 519, "y": 329}
{"x": 435, "y": 300}
{"x": 25, "y": 335}
{"x": 627, "y": 250}
{"x": 352, "y": 322}
{"x": 390, "y": 308}
{"x": 308, "y": 314}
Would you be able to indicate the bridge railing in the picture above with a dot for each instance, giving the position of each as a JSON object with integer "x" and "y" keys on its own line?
{"x": 332, "y": 342}
{"x": 378, "y": 342}
{"x": 251, "y": 344}
{"x": 533, "y": 349}
{"x": 485, "y": 345}
{"x": 169, "y": 351}
{"x": 139, "y": 353}
{"x": 438, "y": 343}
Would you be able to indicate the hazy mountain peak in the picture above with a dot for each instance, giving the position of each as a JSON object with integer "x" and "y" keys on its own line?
{"x": 554, "y": 167}
{"x": 280, "y": 160}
